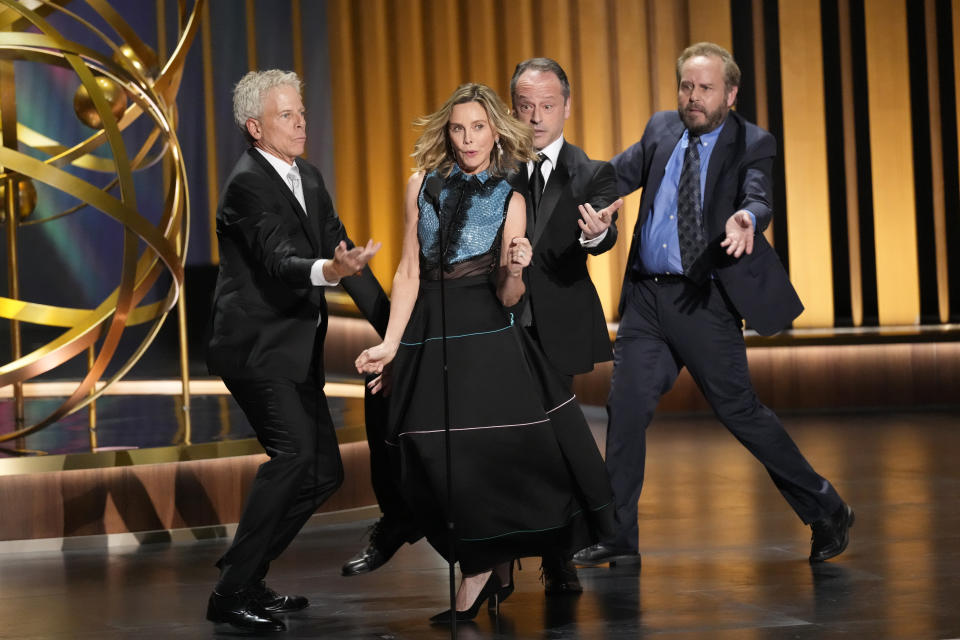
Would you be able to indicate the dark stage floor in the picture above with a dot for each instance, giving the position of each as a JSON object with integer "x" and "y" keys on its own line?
{"x": 723, "y": 557}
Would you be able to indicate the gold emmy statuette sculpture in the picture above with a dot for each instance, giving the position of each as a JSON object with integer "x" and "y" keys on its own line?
{"x": 120, "y": 81}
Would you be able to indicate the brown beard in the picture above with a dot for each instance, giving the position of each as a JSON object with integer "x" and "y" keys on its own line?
{"x": 713, "y": 120}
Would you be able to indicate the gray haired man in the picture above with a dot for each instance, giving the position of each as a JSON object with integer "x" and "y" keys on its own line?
{"x": 281, "y": 242}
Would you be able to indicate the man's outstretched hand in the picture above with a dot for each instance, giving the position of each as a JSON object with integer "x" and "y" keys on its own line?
{"x": 348, "y": 262}
{"x": 739, "y": 231}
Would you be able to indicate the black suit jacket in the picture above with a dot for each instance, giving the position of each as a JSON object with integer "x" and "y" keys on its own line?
{"x": 265, "y": 309}
{"x": 738, "y": 177}
{"x": 566, "y": 309}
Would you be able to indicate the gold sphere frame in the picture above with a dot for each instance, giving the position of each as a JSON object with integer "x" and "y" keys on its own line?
{"x": 165, "y": 244}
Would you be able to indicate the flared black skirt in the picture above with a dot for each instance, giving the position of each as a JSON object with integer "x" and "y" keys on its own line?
{"x": 527, "y": 478}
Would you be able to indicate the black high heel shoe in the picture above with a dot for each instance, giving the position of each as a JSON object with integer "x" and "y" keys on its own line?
{"x": 489, "y": 592}
{"x": 493, "y": 605}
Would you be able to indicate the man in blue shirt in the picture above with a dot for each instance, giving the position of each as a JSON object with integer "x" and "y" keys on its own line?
{"x": 698, "y": 265}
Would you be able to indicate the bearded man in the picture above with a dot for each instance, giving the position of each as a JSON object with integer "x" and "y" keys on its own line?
{"x": 698, "y": 265}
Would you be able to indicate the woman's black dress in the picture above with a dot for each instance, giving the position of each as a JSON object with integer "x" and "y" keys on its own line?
{"x": 527, "y": 476}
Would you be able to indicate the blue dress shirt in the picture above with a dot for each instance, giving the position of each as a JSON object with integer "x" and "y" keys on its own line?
{"x": 659, "y": 243}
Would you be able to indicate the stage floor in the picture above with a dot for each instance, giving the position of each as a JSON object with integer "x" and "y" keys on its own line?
{"x": 723, "y": 557}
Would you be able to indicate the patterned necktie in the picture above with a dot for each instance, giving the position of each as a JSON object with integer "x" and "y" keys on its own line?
{"x": 689, "y": 225}
{"x": 293, "y": 177}
{"x": 536, "y": 182}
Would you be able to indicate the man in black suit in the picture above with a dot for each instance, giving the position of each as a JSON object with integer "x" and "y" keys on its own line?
{"x": 698, "y": 264}
{"x": 280, "y": 242}
{"x": 571, "y": 213}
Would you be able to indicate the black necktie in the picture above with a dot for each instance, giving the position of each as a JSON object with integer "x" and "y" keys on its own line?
{"x": 689, "y": 225}
{"x": 536, "y": 182}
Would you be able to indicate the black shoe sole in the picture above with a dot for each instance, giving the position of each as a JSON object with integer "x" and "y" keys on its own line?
{"x": 230, "y": 628}
{"x": 221, "y": 623}
{"x": 624, "y": 559}
{"x": 565, "y": 591}
{"x": 285, "y": 610}
{"x": 221, "y": 619}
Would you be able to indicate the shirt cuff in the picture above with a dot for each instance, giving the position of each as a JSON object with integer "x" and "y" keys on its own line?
{"x": 316, "y": 275}
{"x": 752, "y": 217}
{"x": 589, "y": 244}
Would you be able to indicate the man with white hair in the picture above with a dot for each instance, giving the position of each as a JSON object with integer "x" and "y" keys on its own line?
{"x": 280, "y": 242}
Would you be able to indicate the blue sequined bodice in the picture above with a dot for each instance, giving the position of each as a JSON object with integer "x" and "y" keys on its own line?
{"x": 471, "y": 216}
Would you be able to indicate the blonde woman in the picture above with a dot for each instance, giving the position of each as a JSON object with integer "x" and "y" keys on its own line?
{"x": 527, "y": 476}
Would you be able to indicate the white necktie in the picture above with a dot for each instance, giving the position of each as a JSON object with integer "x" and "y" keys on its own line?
{"x": 293, "y": 177}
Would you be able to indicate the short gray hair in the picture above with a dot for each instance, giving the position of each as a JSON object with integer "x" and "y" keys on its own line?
{"x": 248, "y": 94}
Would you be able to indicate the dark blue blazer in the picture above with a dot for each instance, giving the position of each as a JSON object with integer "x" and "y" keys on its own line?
{"x": 738, "y": 177}
{"x": 265, "y": 309}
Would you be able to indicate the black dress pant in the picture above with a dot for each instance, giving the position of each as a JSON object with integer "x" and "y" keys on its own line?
{"x": 293, "y": 423}
{"x": 670, "y": 324}
{"x": 385, "y": 473}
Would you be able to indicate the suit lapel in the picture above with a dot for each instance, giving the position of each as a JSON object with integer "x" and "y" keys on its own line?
{"x": 718, "y": 161}
{"x": 559, "y": 178}
{"x": 277, "y": 180}
{"x": 311, "y": 195}
{"x": 519, "y": 181}
{"x": 284, "y": 189}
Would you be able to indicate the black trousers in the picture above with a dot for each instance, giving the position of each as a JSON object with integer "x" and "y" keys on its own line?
{"x": 669, "y": 325}
{"x": 401, "y": 525}
{"x": 293, "y": 423}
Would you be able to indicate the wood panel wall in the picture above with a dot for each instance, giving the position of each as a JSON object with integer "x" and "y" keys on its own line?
{"x": 855, "y": 377}
{"x": 891, "y": 165}
{"x": 861, "y": 95}
{"x": 152, "y": 497}
{"x": 804, "y": 150}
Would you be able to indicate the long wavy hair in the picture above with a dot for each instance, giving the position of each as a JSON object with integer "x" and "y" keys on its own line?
{"x": 434, "y": 150}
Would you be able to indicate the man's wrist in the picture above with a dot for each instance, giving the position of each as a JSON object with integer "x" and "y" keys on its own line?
{"x": 324, "y": 273}
{"x": 594, "y": 241}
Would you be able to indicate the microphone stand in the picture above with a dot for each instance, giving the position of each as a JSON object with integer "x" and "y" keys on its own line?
{"x": 451, "y": 521}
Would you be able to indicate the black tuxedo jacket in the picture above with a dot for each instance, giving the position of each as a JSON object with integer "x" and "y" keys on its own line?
{"x": 264, "y": 322}
{"x": 565, "y": 306}
{"x": 738, "y": 177}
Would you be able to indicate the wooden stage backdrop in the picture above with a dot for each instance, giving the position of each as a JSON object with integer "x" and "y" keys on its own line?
{"x": 860, "y": 94}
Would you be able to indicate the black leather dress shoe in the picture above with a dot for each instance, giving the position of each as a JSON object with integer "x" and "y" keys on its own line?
{"x": 559, "y": 577}
{"x": 384, "y": 542}
{"x": 603, "y": 553}
{"x": 831, "y": 534}
{"x": 274, "y": 603}
{"x": 242, "y": 612}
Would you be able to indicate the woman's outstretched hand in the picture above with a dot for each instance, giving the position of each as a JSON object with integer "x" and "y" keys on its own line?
{"x": 374, "y": 359}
